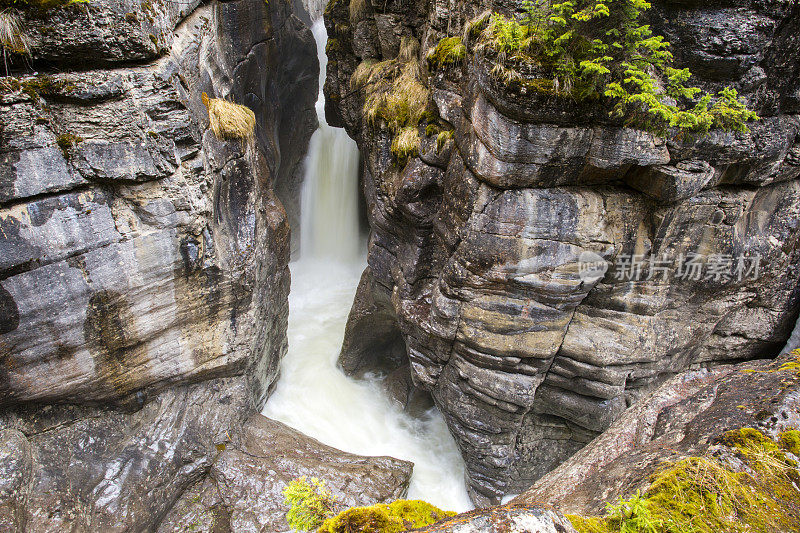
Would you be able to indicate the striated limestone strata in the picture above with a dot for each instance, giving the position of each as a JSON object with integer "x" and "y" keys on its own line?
{"x": 474, "y": 251}
{"x": 143, "y": 262}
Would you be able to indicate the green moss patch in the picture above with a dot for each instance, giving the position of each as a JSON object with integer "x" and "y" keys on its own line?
{"x": 67, "y": 143}
{"x": 449, "y": 51}
{"x": 395, "y": 517}
{"x": 39, "y": 6}
{"x": 704, "y": 495}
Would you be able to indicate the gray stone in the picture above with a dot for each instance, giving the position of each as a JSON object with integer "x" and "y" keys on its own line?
{"x": 505, "y": 519}
{"x": 244, "y": 489}
{"x": 684, "y": 417}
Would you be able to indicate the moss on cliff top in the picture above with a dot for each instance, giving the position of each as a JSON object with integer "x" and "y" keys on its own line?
{"x": 704, "y": 495}
{"x": 38, "y": 6}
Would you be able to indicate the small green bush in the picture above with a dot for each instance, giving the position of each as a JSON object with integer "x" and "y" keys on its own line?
{"x": 309, "y": 503}
{"x": 592, "y": 49}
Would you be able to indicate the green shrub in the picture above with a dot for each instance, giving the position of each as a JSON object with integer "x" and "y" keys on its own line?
{"x": 590, "y": 49}
{"x": 309, "y": 503}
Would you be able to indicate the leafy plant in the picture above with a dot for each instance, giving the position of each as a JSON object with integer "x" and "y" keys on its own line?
{"x": 592, "y": 49}
{"x": 633, "y": 516}
{"x": 309, "y": 503}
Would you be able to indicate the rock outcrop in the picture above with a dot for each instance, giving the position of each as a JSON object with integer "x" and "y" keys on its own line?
{"x": 478, "y": 243}
{"x": 143, "y": 261}
{"x": 244, "y": 488}
{"x": 685, "y": 417}
{"x": 512, "y": 518}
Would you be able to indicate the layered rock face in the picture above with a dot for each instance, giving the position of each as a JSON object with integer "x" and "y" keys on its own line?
{"x": 478, "y": 246}
{"x": 143, "y": 261}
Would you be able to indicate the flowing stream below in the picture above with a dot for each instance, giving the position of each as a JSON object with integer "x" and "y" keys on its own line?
{"x": 313, "y": 395}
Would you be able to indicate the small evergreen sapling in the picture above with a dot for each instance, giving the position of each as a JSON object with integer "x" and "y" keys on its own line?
{"x": 310, "y": 503}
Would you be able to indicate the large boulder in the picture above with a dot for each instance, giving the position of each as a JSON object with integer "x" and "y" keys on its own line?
{"x": 244, "y": 488}
{"x": 478, "y": 244}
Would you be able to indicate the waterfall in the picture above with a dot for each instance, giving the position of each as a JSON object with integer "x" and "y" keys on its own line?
{"x": 312, "y": 394}
{"x": 329, "y": 201}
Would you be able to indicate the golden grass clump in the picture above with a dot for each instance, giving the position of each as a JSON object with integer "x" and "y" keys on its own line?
{"x": 406, "y": 143}
{"x": 358, "y": 9}
{"x": 409, "y": 49}
{"x": 474, "y": 27}
{"x": 395, "y": 96}
{"x": 228, "y": 120}
{"x": 405, "y": 104}
{"x": 12, "y": 35}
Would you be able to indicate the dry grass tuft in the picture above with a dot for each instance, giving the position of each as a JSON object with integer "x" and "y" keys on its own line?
{"x": 395, "y": 96}
{"x": 228, "y": 120}
{"x": 406, "y": 143}
{"x": 358, "y": 10}
{"x": 409, "y": 49}
{"x": 474, "y": 27}
{"x": 12, "y": 36}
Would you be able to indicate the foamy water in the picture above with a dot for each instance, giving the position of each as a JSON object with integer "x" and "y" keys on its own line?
{"x": 315, "y": 397}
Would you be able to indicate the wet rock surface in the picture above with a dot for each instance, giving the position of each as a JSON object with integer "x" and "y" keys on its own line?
{"x": 510, "y": 518}
{"x": 476, "y": 244}
{"x": 143, "y": 262}
{"x": 243, "y": 490}
{"x": 684, "y": 417}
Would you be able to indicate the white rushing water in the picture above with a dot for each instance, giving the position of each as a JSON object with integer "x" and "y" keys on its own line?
{"x": 313, "y": 395}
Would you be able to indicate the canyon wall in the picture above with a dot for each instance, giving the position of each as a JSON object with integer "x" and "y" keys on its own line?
{"x": 474, "y": 279}
{"x": 143, "y": 261}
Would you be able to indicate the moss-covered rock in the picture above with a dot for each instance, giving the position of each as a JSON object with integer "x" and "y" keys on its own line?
{"x": 401, "y": 515}
{"x": 712, "y": 493}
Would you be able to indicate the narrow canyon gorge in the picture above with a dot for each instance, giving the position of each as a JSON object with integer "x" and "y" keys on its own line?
{"x": 244, "y": 242}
